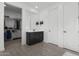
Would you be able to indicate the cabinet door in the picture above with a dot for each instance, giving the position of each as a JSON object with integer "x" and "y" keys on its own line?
{"x": 71, "y": 40}
{"x": 52, "y": 26}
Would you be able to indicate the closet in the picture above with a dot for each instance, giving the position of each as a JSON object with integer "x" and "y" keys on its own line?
{"x": 12, "y": 22}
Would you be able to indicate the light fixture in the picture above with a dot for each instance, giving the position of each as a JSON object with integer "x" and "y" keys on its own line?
{"x": 33, "y": 10}
{"x": 4, "y": 5}
{"x": 36, "y": 6}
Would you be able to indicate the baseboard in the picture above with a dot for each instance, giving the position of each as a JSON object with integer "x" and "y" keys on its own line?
{"x": 60, "y": 46}
{"x": 17, "y": 38}
{"x": 72, "y": 50}
{"x": 2, "y": 49}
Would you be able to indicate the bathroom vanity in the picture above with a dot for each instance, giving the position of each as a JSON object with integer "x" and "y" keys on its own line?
{"x": 34, "y": 37}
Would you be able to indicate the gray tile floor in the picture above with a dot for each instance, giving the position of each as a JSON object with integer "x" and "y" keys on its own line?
{"x": 70, "y": 53}
{"x": 14, "y": 48}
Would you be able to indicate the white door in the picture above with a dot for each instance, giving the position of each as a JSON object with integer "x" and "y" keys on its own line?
{"x": 71, "y": 40}
{"x": 52, "y": 26}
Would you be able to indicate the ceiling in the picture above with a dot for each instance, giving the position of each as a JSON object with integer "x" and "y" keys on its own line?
{"x": 31, "y": 6}
{"x": 41, "y": 5}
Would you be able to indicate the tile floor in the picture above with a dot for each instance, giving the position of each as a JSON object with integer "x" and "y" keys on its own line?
{"x": 14, "y": 48}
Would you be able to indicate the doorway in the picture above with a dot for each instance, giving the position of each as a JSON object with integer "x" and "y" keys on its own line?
{"x": 12, "y": 25}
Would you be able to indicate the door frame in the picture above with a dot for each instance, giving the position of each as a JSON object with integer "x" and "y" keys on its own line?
{"x": 21, "y": 20}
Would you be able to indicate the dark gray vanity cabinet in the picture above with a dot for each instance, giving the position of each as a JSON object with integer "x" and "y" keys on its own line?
{"x": 34, "y": 37}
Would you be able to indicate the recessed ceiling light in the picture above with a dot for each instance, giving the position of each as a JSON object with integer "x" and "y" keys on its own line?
{"x": 33, "y": 10}
{"x": 4, "y": 5}
{"x": 36, "y": 6}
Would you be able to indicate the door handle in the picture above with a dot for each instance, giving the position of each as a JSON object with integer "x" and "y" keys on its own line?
{"x": 49, "y": 30}
{"x": 65, "y": 31}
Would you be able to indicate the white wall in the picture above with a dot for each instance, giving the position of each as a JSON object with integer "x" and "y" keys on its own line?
{"x": 53, "y": 33}
{"x": 45, "y": 16}
{"x": 1, "y": 27}
{"x": 78, "y": 8}
{"x": 25, "y": 25}
{"x": 60, "y": 26}
{"x": 78, "y": 14}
